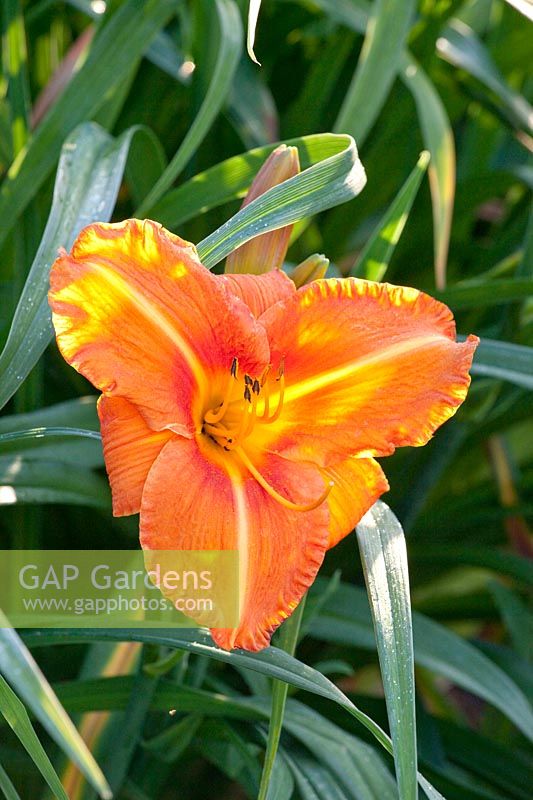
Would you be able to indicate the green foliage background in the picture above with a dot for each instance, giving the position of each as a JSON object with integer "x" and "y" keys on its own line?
{"x": 442, "y": 76}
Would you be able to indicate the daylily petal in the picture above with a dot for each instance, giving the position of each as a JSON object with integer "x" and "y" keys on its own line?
{"x": 130, "y": 449}
{"x": 368, "y": 367}
{"x": 259, "y": 292}
{"x": 267, "y": 251}
{"x": 357, "y": 484}
{"x": 194, "y": 500}
{"x": 141, "y": 318}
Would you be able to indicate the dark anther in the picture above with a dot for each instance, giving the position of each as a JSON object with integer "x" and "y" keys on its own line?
{"x": 256, "y": 387}
{"x": 247, "y": 394}
{"x": 248, "y": 381}
{"x": 234, "y": 365}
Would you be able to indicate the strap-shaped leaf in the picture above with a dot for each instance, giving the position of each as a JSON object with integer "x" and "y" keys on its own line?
{"x": 229, "y": 51}
{"x": 271, "y": 662}
{"x": 346, "y": 620}
{"x": 17, "y": 718}
{"x": 118, "y": 46}
{"x": 327, "y": 183}
{"x": 461, "y": 47}
{"x": 434, "y": 123}
{"x": 10, "y": 793}
{"x": 287, "y": 640}
{"x": 506, "y": 361}
{"x": 474, "y": 294}
{"x": 231, "y": 178}
{"x": 374, "y": 260}
{"x": 88, "y": 179}
{"x": 17, "y": 664}
{"x": 438, "y": 139}
{"x": 384, "y": 557}
{"x": 378, "y": 65}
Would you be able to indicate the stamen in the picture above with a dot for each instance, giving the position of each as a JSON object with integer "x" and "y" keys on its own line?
{"x": 251, "y": 420}
{"x": 277, "y": 412}
{"x": 264, "y": 376}
{"x": 248, "y": 394}
{"x": 214, "y": 416}
{"x": 275, "y": 495}
{"x": 217, "y": 431}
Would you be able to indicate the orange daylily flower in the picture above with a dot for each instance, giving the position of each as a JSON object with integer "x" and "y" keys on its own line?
{"x": 240, "y": 413}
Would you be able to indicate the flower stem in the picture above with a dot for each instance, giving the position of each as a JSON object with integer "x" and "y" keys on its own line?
{"x": 287, "y": 640}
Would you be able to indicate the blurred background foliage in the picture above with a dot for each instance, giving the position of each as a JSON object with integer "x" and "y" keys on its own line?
{"x": 446, "y": 76}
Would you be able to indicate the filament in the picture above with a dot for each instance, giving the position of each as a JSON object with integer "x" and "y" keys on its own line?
{"x": 261, "y": 480}
{"x": 215, "y": 416}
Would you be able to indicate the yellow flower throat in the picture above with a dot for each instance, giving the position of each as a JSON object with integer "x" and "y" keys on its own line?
{"x": 233, "y": 420}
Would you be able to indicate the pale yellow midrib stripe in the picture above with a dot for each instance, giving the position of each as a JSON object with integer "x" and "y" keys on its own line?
{"x": 154, "y": 317}
{"x": 243, "y": 536}
{"x": 317, "y": 382}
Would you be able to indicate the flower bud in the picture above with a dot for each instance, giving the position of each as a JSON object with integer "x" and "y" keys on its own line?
{"x": 311, "y": 269}
{"x": 267, "y": 251}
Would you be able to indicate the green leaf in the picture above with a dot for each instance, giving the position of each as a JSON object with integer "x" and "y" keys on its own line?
{"x": 496, "y": 559}
{"x": 17, "y": 663}
{"x": 145, "y": 165}
{"x": 221, "y": 744}
{"x": 313, "y": 780}
{"x": 357, "y": 768}
{"x": 438, "y": 139}
{"x": 43, "y": 434}
{"x": 475, "y": 294}
{"x": 113, "y": 53}
{"x": 517, "y": 618}
{"x": 352, "y": 13}
{"x": 87, "y": 182}
{"x": 378, "y": 65}
{"x": 162, "y": 51}
{"x": 524, "y": 6}
{"x": 17, "y": 718}
{"x": 435, "y": 126}
{"x": 9, "y": 791}
{"x": 460, "y": 46}
{"x": 251, "y": 107}
{"x": 172, "y": 742}
{"x": 32, "y": 480}
{"x": 374, "y": 260}
{"x": 232, "y": 178}
{"x": 287, "y": 641}
{"x": 505, "y": 361}
{"x": 384, "y": 558}
{"x": 498, "y": 763}
{"x": 78, "y": 413}
{"x": 126, "y": 737}
{"x": 14, "y": 58}
{"x": 331, "y": 181}
{"x": 346, "y": 620}
{"x": 281, "y": 786}
{"x": 35, "y": 438}
{"x": 229, "y": 51}
{"x": 271, "y": 662}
